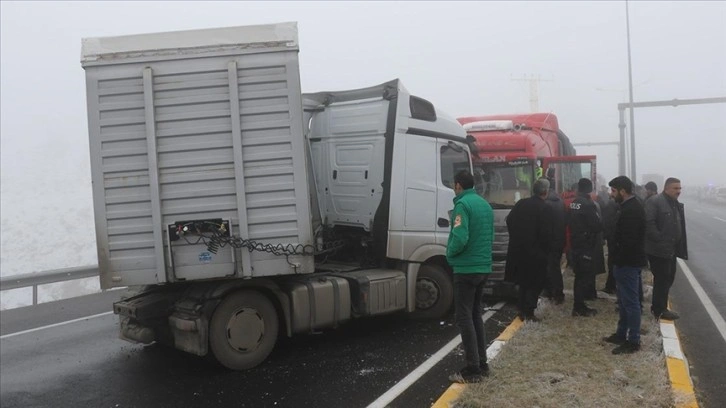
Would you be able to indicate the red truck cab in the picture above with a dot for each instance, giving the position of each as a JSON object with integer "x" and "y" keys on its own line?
{"x": 512, "y": 152}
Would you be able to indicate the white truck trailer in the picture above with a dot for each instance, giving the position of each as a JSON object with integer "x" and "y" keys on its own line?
{"x": 237, "y": 208}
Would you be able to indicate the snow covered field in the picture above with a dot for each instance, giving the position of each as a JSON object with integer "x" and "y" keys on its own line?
{"x": 46, "y": 223}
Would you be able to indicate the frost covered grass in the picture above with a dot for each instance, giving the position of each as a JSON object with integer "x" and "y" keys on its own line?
{"x": 40, "y": 232}
{"x": 563, "y": 362}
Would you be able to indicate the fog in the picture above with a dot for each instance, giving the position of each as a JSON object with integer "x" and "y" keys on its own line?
{"x": 468, "y": 58}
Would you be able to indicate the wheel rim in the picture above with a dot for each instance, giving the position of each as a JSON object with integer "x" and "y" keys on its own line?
{"x": 245, "y": 329}
{"x": 427, "y": 293}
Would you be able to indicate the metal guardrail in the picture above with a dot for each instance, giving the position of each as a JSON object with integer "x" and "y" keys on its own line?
{"x": 41, "y": 278}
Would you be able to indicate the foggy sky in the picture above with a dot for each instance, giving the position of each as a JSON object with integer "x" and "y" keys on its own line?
{"x": 463, "y": 57}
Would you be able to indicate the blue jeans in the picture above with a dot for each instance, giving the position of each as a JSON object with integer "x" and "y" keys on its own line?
{"x": 467, "y": 302}
{"x": 627, "y": 283}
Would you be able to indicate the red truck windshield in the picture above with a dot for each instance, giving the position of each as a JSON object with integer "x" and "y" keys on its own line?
{"x": 504, "y": 183}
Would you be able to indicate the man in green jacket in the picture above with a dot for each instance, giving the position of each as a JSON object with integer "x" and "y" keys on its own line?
{"x": 469, "y": 253}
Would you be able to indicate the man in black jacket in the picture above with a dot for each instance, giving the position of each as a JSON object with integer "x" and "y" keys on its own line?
{"x": 665, "y": 240}
{"x": 530, "y": 237}
{"x": 585, "y": 225}
{"x": 629, "y": 258}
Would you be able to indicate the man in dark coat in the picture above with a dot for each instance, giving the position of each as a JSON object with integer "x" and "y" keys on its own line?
{"x": 665, "y": 241}
{"x": 530, "y": 233}
{"x": 554, "y": 286}
{"x": 628, "y": 254}
{"x": 585, "y": 228}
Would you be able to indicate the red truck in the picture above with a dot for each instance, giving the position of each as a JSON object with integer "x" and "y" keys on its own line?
{"x": 514, "y": 150}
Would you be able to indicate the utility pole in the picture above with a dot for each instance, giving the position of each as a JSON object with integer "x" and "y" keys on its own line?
{"x": 533, "y": 90}
{"x": 633, "y": 174}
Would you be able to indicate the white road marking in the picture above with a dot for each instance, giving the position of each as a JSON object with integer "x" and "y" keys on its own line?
{"x": 707, "y": 303}
{"x": 53, "y": 325}
{"x": 427, "y": 365}
{"x": 720, "y": 219}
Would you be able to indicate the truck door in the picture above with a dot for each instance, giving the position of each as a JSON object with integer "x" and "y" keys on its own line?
{"x": 568, "y": 170}
{"x": 453, "y": 157}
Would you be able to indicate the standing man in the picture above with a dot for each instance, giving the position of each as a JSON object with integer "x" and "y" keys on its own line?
{"x": 651, "y": 189}
{"x": 629, "y": 257}
{"x": 665, "y": 240}
{"x": 530, "y": 239}
{"x": 585, "y": 226}
{"x": 469, "y": 253}
{"x": 554, "y": 285}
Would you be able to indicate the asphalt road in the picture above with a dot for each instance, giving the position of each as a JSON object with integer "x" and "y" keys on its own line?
{"x": 702, "y": 342}
{"x": 85, "y": 364}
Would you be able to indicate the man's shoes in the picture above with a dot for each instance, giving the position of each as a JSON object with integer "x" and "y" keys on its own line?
{"x": 584, "y": 311}
{"x": 468, "y": 375}
{"x": 668, "y": 315}
{"x": 627, "y": 348}
{"x": 614, "y": 339}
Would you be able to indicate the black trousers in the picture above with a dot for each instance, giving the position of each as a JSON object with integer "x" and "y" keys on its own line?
{"x": 584, "y": 279}
{"x": 528, "y": 296}
{"x": 554, "y": 285}
{"x": 467, "y": 304}
{"x": 664, "y": 273}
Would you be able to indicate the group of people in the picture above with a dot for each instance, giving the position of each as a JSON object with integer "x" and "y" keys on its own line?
{"x": 638, "y": 232}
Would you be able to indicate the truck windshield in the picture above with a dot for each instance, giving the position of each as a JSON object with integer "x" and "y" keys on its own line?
{"x": 502, "y": 184}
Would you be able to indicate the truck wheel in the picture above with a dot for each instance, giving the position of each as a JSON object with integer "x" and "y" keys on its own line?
{"x": 434, "y": 292}
{"x": 243, "y": 330}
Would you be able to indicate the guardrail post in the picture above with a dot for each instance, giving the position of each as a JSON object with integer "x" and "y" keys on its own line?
{"x": 41, "y": 278}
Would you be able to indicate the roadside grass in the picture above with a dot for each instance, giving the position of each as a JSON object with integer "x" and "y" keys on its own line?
{"x": 563, "y": 362}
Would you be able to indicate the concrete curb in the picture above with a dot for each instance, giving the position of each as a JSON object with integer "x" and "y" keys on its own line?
{"x": 452, "y": 393}
{"x": 678, "y": 373}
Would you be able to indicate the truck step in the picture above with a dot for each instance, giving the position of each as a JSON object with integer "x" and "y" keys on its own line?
{"x": 146, "y": 306}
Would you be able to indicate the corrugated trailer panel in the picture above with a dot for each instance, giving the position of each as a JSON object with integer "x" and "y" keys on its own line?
{"x": 224, "y": 129}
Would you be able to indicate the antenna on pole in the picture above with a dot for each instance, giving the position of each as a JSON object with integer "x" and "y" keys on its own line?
{"x": 533, "y": 89}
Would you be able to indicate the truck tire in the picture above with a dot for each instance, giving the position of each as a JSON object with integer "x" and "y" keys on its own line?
{"x": 434, "y": 292}
{"x": 243, "y": 330}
